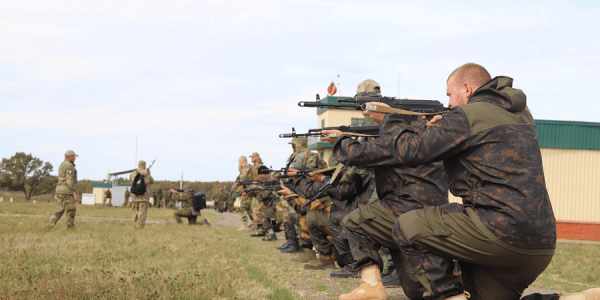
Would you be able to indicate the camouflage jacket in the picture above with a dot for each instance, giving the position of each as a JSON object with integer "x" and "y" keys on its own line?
{"x": 67, "y": 178}
{"x": 186, "y": 200}
{"x": 308, "y": 159}
{"x": 147, "y": 179}
{"x": 399, "y": 188}
{"x": 355, "y": 184}
{"x": 491, "y": 152}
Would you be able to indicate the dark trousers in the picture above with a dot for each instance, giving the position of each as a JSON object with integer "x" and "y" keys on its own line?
{"x": 370, "y": 227}
{"x": 491, "y": 268}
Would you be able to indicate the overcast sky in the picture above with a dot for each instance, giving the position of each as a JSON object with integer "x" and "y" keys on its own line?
{"x": 200, "y": 83}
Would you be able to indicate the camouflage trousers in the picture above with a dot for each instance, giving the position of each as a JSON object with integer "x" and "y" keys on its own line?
{"x": 317, "y": 221}
{"x": 245, "y": 208}
{"x": 339, "y": 233}
{"x": 282, "y": 210}
{"x": 140, "y": 212}
{"x": 491, "y": 269}
{"x": 186, "y": 214}
{"x": 369, "y": 228}
{"x": 256, "y": 220}
{"x": 64, "y": 203}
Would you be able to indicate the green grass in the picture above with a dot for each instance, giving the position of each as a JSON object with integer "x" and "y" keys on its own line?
{"x": 112, "y": 260}
{"x": 575, "y": 267}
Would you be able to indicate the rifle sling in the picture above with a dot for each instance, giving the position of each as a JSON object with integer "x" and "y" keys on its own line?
{"x": 392, "y": 110}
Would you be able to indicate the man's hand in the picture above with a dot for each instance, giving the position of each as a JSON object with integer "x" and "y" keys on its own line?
{"x": 433, "y": 120}
{"x": 330, "y": 135}
{"x": 292, "y": 172}
{"x": 316, "y": 177}
{"x": 76, "y": 197}
{"x": 284, "y": 191}
{"x": 376, "y": 116}
{"x": 244, "y": 194}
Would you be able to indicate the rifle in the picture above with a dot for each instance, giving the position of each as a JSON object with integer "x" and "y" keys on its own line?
{"x": 168, "y": 189}
{"x": 411, "y": 108}
{"x": 353, "y": 130}
{"x": 129, "y": 171}
{"x": 334, "y": 180}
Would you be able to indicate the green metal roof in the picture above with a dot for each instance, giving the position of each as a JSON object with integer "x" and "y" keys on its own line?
{"x": 568, "y": 134}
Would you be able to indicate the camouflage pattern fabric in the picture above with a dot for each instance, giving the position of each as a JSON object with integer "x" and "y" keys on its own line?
{"x": 317, "y": 221}
{"x": 65, "y": 200}
{"x": 159, "y": 196}
{"x": 490, "y": 148}
{"x": 127, "y": 195}
{"x": 140, "y": 203}
{"x": 186, "y": 206}
{"x": 368, "y": 87}
{"x": 67, "y": 178}
{"x": 65, "y": 203}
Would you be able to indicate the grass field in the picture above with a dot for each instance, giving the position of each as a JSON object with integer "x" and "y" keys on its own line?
{"x": 111, "y": 260}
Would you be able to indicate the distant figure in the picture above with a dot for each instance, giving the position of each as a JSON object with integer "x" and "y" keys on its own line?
{"x": 127, "y": 195}
{"x": 186, "y": 197}
{"x": 140, "y": 203}
{"x": 66, "y": 195}
{"x": 107, "y": 198}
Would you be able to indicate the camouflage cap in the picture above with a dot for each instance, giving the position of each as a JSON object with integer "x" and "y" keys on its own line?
{"x": 298, "y": 141}
{"x": 368, "y": 87}
{"x": 243, "y": 158}
{"x": 71, "y": 153}
{"x": 187, "y": 187}
{"x": 142, "y": 163}
{"x": 254, "y": 154}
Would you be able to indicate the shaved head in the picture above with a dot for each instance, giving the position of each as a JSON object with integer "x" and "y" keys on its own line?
{"x": 472, "y": 73}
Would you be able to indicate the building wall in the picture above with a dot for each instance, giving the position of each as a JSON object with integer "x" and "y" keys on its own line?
{"x": 573, "y": 182}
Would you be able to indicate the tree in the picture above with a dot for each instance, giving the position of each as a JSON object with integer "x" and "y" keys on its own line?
{"x": 26, "y": 173}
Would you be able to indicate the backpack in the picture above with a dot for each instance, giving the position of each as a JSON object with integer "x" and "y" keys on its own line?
{"x": 198, "y": 201}
{"x": 138, "y": 186}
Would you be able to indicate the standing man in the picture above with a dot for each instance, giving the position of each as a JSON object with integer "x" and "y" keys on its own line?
{"x": 159, "y": 195}
{"x": 127, "y": 195}
{"x": 246, "y": 173}
{"x": 107, "y": 197}
{"x": 140, "y": 200}
{"x": 66, "y": 195}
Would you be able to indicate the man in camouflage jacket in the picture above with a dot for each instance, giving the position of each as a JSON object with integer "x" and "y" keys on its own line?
{"x": 504, "y": 232}
{"x": 140, "y": 203}
{"x": 66, "y": 195}
{"x": 246, "y": 173}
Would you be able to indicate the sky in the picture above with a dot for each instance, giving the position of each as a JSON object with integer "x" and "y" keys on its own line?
{"x": 196, "y": 84}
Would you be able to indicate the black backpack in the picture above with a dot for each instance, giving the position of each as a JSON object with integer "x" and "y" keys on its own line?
{"x": 138, "y": 186}
{"x": 199, "y": 201}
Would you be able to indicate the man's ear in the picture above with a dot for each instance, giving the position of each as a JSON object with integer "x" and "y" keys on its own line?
{"x": 468, "y": 89}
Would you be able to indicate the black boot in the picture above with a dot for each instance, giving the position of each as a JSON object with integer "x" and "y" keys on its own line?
{"x": 391, "y": 278}
{"x": 345, "y": 272}
{"x": 293, "y": 246}
{"x": 270, "y": 237}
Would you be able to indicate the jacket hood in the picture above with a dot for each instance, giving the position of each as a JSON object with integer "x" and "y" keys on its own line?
{"x": 499, "y": 91}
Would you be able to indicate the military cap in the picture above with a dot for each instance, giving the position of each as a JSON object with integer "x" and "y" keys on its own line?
{"x": 243, "y": 158}
{"x": 262, "y": 170}
{"x": 331, "y": 161}
{"x": 187, "y": 187}
{"x": 71, "y": 153}
{"x": 368, "y": 87}
{"x": 142, "y": 163}
{"x": 254, "y": 154}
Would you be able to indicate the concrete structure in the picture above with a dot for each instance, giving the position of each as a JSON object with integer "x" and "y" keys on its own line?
{"x": 571, "y": 158}
{"x": 117, "y": 190}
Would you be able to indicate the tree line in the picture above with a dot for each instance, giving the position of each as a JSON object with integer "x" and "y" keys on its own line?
{"x": 30, "y": 175}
